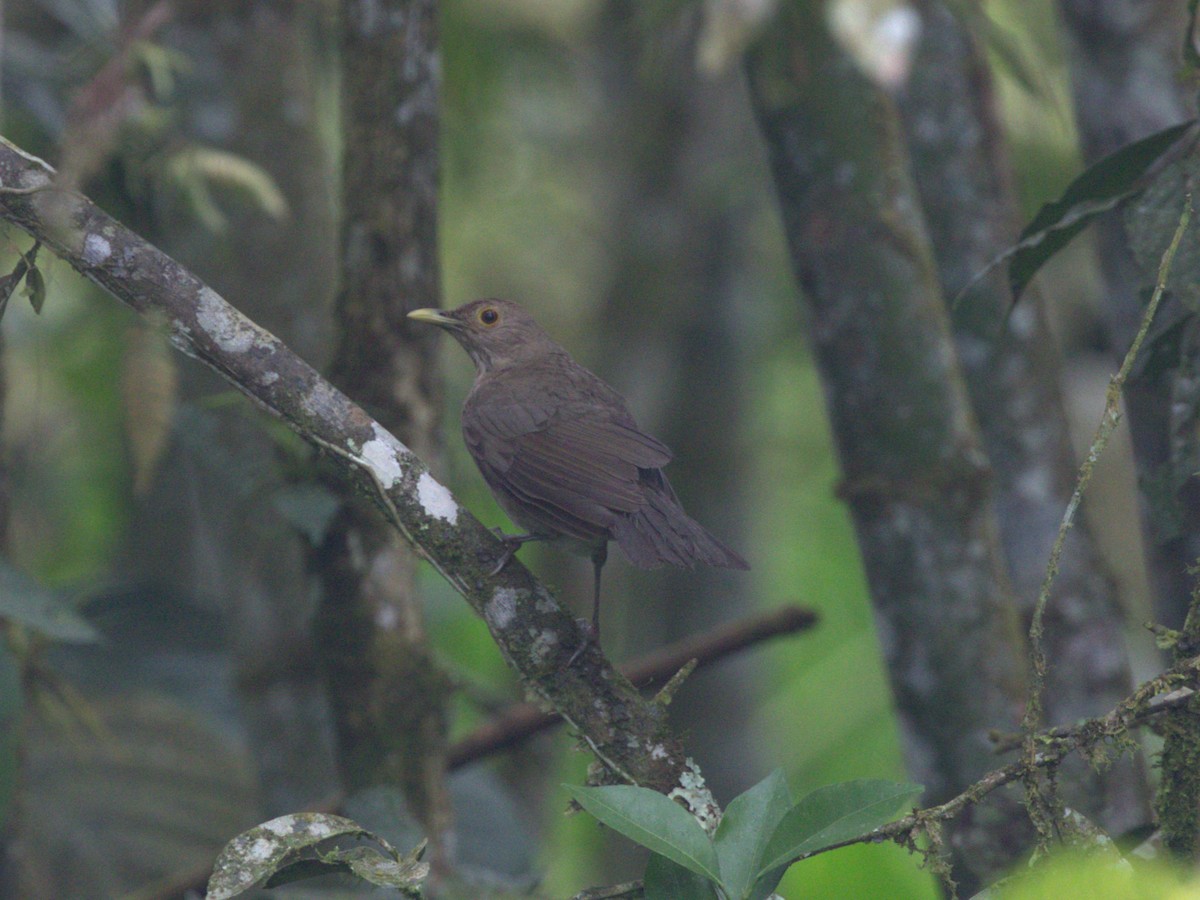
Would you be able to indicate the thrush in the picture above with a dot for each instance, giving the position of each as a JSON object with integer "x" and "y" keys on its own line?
{"x": 561, "y": 452}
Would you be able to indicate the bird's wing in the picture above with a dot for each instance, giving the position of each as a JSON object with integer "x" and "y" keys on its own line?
{"x": 563, "y": 455}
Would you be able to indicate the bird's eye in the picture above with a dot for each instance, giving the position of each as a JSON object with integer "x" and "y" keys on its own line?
{"x": 489, "y": 316}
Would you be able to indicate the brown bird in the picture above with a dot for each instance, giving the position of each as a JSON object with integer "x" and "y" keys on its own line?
{"x": 561, "y": 452}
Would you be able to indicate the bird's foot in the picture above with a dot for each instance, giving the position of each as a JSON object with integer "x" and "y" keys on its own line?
{"x": 591, "y": 635}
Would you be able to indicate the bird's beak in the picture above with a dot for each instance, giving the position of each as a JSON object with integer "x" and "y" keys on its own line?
{"x": 434, "y": 317}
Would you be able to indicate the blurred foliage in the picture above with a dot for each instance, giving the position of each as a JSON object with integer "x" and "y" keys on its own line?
{"x": 1098, "y": 878}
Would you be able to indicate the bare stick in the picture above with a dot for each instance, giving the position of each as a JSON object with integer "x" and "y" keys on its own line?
{"x": 1108, "y": 423}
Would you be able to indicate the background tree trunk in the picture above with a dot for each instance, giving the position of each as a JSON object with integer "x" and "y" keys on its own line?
{"x": 1129, "y": 82}
{"x": 1013, "y": 375}
{"x": 915, "y": 475}
{"x": 207, "y": 528}
{"x": 669, "y": 339}
{"x": 388, "y": 693}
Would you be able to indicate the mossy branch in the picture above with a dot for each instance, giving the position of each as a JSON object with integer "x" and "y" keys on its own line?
{"x": 532, "y": 631}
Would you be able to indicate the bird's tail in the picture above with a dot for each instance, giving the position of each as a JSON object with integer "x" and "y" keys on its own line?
{"x": 661, "y": 533}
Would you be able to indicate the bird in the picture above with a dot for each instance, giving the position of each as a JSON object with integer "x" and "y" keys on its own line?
{"x": 563, "y": 455}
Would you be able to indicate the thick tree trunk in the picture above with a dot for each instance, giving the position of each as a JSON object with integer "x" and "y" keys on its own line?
{"x": 388, "y": 694}
{"x": 1013, "y": 375}
{"x": 916, "y": 477}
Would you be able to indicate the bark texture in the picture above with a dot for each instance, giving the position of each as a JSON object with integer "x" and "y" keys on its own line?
{"x": 388, "y": 694}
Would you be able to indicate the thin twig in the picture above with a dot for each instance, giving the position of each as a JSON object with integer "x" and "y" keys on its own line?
{"x": 1149, "y": 700}
{"x": 1108, "y": 423}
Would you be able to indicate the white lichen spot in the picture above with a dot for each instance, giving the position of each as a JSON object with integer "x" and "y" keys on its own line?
{"x": 96, "y": 249}
{"x": 224, "y": 324}
{"x": 435, "y": 499}
{"x": 261, "y": 850}
{"x": 545, "y": 643}
{"x": 501, "y": 609}
{"x": 319, "y": 830}
{"x": 658, "y": 751}
{"x": 35, "y": 178}
{"x": 381, "y": 454}
{"x": 281, "y": 826}
{"x": 387, "y": 617}
{"x": 697, "y": 797}
{"x": 544, "y": 603}
{"x": 268, "y": 378}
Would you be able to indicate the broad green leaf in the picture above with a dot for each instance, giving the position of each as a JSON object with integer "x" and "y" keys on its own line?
{"x": 832, "y": 814}
{"x": 1101, "y": 187}
{"x": 745, "y": 829}
{"x": 50, "y": 612}
{"x": 666, "y": 880}
{"x": 650, "y": 819}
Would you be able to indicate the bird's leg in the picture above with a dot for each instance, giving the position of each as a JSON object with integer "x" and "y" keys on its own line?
{"x": 591, "y": 630}
{"x": 598, "y": 559}
{"x": 512, "y": 543}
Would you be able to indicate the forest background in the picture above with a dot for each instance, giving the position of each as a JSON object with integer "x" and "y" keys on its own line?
{"x": 174, "y": 670}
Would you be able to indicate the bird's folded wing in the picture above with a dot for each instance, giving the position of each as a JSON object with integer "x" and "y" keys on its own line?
{"x": 584, "y": 465}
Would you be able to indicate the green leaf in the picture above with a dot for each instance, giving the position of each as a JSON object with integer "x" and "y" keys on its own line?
{"x": 650, "y": 819}
{"x": 286, "y": 849}
{"x": 35, "y": 288}
{"x": 666, "y": 880}
{"x": 1150, "y": 224}
{"x": 1102, "y": 186}
{"x": 9, "y": 282}
{"x": 832, "y": 814}
{"x": 50, "y": 612}
{"x": 745, "y": 829}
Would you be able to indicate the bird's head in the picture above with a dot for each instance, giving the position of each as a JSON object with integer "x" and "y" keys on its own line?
{"x": 495, "y": 333}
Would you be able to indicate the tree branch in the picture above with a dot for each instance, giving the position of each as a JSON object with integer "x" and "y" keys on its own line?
{"x": 519, "y": 722}
{"x": 1169, "y": 691}
{"x": 536, "y": 637}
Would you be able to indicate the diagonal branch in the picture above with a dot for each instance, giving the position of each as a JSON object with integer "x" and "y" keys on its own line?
{"x": 536, "y": 637}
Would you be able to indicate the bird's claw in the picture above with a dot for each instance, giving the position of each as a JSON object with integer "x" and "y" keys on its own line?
{"x": 590, "y": 637}
{"x": 512, "y": 543}
{"x": 505, "y": 558}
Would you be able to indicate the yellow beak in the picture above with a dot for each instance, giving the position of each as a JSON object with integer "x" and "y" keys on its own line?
{"x": 433, "y": 317}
